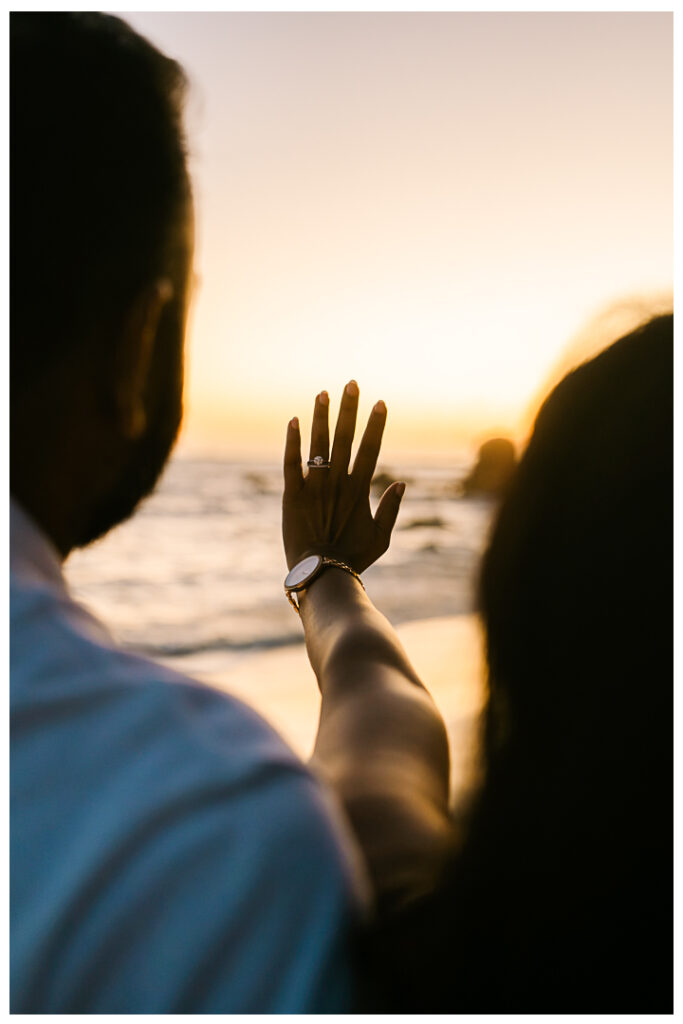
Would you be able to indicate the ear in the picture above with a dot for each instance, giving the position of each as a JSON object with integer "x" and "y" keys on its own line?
{"x": 135, "y": 352}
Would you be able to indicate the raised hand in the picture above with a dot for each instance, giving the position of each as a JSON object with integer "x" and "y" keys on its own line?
{"x": 327, "y": 511}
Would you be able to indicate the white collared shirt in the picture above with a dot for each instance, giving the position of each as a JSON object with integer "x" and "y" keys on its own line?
{"x": 169, "y": 852}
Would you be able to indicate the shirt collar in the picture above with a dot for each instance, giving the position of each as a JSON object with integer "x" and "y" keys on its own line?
{"x": 32, "y": 554}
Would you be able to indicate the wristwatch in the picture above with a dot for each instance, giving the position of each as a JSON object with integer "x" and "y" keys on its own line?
{"x": 308, "y": 569}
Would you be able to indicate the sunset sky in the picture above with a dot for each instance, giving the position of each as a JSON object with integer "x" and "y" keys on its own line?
{"x": 434, "y": 204}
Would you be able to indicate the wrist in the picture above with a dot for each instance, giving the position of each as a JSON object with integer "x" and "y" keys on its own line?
{"x": 325, "y": 550}
{"x": 334, "y": 605}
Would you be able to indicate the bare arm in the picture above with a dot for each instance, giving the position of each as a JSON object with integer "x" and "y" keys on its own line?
{"x": 381, "y": 742}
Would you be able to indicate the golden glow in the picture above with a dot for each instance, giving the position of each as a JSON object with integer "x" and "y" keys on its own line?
{"x": 434, "y": 204}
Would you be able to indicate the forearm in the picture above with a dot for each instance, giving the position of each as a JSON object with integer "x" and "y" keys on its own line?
{"x": 342, "y": 626}
{"x": 381, "y": 742}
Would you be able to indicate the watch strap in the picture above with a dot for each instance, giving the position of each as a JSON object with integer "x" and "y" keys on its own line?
{"x": 327, "y": 563}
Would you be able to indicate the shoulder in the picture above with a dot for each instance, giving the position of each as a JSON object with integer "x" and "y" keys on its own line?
{"x": 291, "y": 830}
{"x": 180, "y": 800}
{"x": 94, "y": 716}
{"x": 118, "y": 714}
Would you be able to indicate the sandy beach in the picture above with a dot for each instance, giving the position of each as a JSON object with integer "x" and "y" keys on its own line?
{"x": 446, "y": 652}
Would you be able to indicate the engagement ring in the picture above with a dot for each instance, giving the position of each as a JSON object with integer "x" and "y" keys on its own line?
{"x": 318, "y": 463}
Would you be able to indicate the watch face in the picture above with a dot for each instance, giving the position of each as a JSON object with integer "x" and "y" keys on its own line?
{"x": 302, "y": 571}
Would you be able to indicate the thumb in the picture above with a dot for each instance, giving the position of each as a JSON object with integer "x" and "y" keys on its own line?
{"x": 388, "y": 507}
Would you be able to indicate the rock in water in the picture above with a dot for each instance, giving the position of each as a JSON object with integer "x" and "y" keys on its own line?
{"x": 491, "y": 474}
{"x": 383, "y": 478}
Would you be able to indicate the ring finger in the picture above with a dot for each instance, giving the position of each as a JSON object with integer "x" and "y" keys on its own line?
{"x": 320, "y": 431}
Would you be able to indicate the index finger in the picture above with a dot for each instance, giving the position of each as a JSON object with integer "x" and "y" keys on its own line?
{"x": 293, "y": 475}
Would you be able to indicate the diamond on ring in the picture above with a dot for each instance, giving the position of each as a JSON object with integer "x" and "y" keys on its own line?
{"x": 318, "y": 463}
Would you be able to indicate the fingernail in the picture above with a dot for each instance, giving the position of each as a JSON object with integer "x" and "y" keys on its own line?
{"x": 352, "y": 389}
{"x": 379, "y": 406}
{"x": 401, "y": 489}
{"x": 323, "y": 397}
{"x": 294, "y": 423}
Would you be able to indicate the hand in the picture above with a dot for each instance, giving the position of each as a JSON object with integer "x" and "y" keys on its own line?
{"x": 327, "y": 512}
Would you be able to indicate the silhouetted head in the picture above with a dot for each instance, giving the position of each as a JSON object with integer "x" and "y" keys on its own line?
{"x": 559, "y": 898}
{"x": 576, "y": 584}
{"x": 101, "y": 245}
{"x": 569, "y": 863}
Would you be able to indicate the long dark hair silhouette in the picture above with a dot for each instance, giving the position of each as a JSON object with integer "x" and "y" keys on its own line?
{"x": 561, "y": 896}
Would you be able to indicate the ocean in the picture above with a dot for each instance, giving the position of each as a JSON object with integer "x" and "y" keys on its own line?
{"x": 198, "y": 570}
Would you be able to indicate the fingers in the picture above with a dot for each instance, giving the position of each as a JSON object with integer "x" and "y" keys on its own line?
{"x": 345, "y": 429}
{"x": 368, "y": 450}
{"x": 388, "y": 507}
{"x": 320, "y": 431}
{"x": 293, "y": 476}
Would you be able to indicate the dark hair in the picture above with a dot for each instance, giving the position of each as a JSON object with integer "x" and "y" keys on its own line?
{"x": 576, "y": 583}
{"x": 98, "y": 179}
{"x": 577, "y": 599}
{"x": 561, "y": 896}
